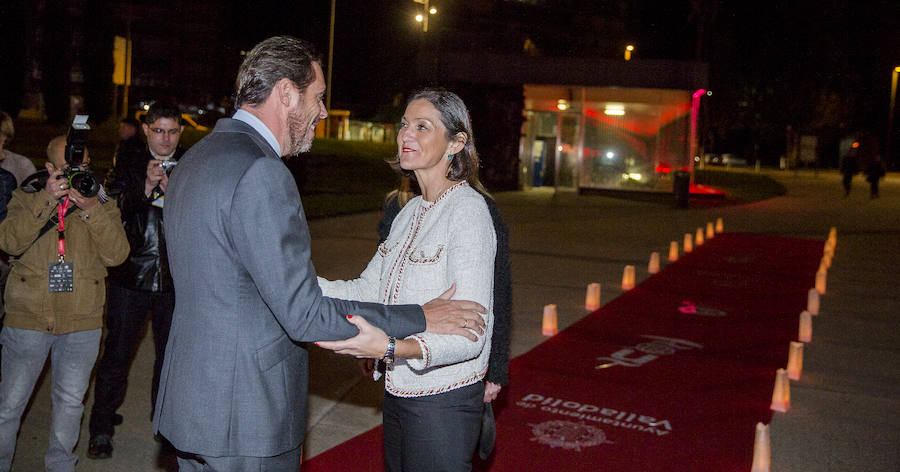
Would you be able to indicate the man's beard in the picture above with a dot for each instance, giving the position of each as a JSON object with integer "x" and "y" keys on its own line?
{"x": 300, "y": 134}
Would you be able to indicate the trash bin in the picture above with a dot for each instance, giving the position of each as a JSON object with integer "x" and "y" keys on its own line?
{"x": 681, "y": 188}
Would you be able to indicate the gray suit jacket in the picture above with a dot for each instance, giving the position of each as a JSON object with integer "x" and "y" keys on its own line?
{"x": 234, "y": 380}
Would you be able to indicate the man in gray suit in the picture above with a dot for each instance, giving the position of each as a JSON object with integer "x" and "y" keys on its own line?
{"x": 232, "y": 393}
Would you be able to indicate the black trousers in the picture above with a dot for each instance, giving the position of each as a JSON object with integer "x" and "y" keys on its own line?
{"x": 847, "y": 181}
{"x": 433, "y": 433}
{"x": 126, "y": 317}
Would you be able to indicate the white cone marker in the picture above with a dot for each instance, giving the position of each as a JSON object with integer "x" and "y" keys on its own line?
{"x": 795, "y": 361}
{"x": 812, "y": 301}
{"x": 762, "y": 453}
{"x": 549, "y": 325}
{"x": 628, "y": 278}
{"x": 592, "y": 298}
{"x": 781, "y": 394}
{"x": 805, "y": 332}
{"x": 653, "y": 265}
{"x": 821, "y": 278}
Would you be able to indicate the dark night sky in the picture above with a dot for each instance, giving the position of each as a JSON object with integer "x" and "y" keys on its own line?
{"x": 781, "y": 56}
{"x": 850, "y": 47}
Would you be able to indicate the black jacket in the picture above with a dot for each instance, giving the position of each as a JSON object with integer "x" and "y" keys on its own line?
{"x": 498, "y": 363}
{"x": 7, "y": 185}
{"x": 147, "y": 267}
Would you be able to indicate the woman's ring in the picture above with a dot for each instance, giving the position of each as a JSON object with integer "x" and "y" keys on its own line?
{"x": 466, "y": 324}
{"x": 62, "y": 186}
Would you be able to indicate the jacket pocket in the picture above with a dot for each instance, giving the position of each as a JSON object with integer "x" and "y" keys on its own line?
{"x": 276, "y": 351}
{"x": 89, "y": 296}
{"x": 24, "y": 294}
{"x": 427, "y": 268}
{"x": 386, "y": 247}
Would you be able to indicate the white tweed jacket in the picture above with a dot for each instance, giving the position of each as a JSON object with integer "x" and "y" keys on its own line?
{"x": 430, "y": 247}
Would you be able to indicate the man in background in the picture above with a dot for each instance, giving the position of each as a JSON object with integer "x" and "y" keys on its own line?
{"x": 129, "y": 135}
{"x": 15, "y": 168}
{"x": 143, "y": 282}
{"x": 19, "y": 165}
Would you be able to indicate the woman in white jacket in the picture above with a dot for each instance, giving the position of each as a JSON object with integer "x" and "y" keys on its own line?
{"x": 434, "y": 389}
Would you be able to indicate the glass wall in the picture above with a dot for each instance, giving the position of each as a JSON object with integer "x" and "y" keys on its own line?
{"x": 609, "y": 138}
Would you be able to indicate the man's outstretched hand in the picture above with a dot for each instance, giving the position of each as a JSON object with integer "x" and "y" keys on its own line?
{"x": 446, "y": 316}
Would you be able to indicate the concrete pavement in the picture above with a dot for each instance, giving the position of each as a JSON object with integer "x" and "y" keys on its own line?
{"x": 845, "y": 412}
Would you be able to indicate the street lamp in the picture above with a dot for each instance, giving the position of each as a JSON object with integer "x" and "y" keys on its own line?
{"x": 330, "y": 69}
{"x": 628, "y": 50}
{"x": 695, "y": 111}
{"x": 428, "y": 10}
{"x": 887, "y": 147}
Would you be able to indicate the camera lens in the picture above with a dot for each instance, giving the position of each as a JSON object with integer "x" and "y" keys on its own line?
{"x": 85, "y": 183}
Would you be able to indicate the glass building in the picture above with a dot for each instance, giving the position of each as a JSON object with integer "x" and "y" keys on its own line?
{"x": 612, "y": 138}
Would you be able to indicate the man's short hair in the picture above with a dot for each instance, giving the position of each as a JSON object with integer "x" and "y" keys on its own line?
{"x": 268, "y": 62}
{"x": 162, "y": 110}
{"x": 7, "y": 130}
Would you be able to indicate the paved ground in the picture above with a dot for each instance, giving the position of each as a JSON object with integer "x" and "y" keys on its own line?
{"x": 845, "y": 411}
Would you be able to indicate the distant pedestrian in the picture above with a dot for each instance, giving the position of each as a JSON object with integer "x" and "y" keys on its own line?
{"x": 850, "y": 166}
{"x": 874, "y": 173}
{"x": 870, "y": 162}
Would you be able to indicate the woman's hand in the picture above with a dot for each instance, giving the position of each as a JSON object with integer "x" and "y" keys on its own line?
{"x": 371, "y": 342}
{"x": 491, "y": 390}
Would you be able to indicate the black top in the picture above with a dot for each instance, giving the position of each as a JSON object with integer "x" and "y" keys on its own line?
{"x": 147, "y": 266}
{"x": 498, "y": 363}
{"x": 7, "y": 185}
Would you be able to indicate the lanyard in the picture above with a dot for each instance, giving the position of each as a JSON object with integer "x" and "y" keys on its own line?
{"x": 61, "y": 213}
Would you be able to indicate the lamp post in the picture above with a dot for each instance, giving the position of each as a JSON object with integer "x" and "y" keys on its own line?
{"x": 695, "y": 111}
{"x": 628, "y": 50}
{"x": 890, "y": 133}
{"x": 428, "y": 10}
{"x": 330, "y": 69}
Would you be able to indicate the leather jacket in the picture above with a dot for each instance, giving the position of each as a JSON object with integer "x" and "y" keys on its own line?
{"x": 147, "y": 267}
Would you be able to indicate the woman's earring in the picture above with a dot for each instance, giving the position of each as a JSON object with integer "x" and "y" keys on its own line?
{"x": 449, "y": 156}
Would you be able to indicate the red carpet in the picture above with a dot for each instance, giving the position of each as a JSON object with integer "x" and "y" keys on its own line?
{"x": 670, "y": 376}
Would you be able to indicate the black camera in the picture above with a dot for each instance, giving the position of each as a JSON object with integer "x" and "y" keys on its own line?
{"x": 77, "y": 174}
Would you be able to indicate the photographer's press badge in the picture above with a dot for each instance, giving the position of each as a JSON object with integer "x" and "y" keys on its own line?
{"x": 62, "y": 272}
{"x": 61, "y": 277}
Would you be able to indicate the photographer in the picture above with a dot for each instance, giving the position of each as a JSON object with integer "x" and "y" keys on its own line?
{"x": 64, "y": 240}
{"x": 143, "y": 282}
